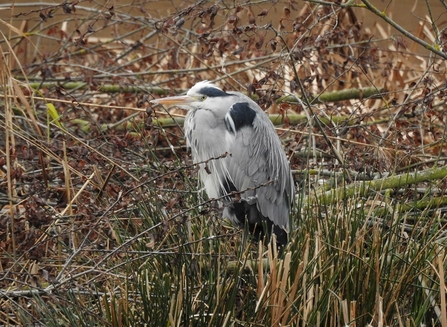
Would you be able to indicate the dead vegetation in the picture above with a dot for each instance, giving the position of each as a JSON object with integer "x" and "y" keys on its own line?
{"x": 101, "y": 222}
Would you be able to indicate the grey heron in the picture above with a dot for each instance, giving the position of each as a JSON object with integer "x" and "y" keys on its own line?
{"x": 253, "y": 180}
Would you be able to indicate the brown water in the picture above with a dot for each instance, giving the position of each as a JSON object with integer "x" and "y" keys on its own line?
{"x": 407, "y": 13}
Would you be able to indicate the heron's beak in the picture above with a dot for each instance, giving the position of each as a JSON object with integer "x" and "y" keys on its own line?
{"x": 181, "y": 100}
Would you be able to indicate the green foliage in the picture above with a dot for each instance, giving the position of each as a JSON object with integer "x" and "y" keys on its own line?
{"x": 103, "y": 227}
{"x": 343, "y": 266}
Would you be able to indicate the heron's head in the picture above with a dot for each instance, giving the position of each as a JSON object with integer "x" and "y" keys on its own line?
{"x": 203, "y": 95}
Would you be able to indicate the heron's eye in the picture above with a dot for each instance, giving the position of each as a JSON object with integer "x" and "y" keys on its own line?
{"x": 202, "y": 98}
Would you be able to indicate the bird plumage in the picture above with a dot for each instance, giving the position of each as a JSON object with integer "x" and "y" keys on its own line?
{"x": 254, "y": 173}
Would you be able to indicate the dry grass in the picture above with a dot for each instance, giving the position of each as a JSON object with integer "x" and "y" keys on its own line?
{"x": 101, "y": 221}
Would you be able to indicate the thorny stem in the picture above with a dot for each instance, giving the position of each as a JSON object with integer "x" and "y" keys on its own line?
{"x": 309, "y": 106}
{"x": 60, "y": 277}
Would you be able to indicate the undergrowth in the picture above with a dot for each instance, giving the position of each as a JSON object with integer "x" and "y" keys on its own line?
{"x": 103, "y": 221}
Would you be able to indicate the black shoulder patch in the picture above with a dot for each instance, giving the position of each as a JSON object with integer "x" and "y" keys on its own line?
{"x": 212, "y": 92}
{"x": 241, "y": 115}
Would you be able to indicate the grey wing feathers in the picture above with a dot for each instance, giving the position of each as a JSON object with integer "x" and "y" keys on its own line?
{"x": 257, "y": 158}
